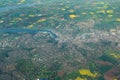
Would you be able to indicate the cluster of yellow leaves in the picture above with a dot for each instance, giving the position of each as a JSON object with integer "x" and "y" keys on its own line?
{"x": 114, "y": 55}
{"x": 105, "y": 11}
{"x": 87, "y": 72}
{"x": 72, "y": 16}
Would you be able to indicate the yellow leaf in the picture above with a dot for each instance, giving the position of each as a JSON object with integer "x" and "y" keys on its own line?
{"x": 110, "y": 11}
{"x": 91, "y": 12}
{"x": 41, "y": 20}
{"x": 118, "y": 19}
{"x": 72, "y": 16}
